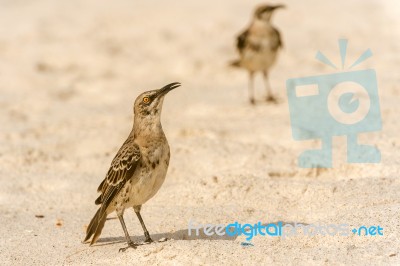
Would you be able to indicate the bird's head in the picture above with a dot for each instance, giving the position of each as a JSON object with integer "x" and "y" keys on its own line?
{"x": 264, "y": 12}
{"x": 148, "y": 105}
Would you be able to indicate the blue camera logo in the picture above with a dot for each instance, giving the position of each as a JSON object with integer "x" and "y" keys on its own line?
{"x": 339, "y": 104}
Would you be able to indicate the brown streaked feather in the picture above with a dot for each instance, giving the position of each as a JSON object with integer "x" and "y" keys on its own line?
{"x": 122, "y": 169}
{"x": 95, "y": 226}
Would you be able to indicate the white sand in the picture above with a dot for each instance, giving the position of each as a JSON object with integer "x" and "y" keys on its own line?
{"x": 69, "y": 73}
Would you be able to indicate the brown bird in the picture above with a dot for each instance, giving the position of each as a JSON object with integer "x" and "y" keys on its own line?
{"x": 139, "y": 168}
{"x": 258, "y": 47}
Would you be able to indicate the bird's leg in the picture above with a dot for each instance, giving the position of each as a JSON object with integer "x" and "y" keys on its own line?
{"x": 270, "y": 97}
{"x": 251, "y": 87}
{"x": 128, "y": 239}
{"x": 146, "y": 233}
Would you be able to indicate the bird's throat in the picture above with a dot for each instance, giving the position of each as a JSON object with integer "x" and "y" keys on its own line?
{"x": 148, "y": 127}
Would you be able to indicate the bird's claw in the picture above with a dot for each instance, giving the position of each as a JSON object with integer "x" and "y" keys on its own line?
{"x": 252, "y": 101}
{"x": 130, "y": 245}
{"x": 148, "y": 240}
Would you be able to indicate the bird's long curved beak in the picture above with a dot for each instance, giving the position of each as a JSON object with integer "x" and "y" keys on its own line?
{"x": 278, "y": 6}
{"x": 164, "y": 90}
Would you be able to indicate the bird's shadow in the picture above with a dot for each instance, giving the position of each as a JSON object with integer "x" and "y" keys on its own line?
{"x": 176, "y": 235}
{"x": 182, "y": 234}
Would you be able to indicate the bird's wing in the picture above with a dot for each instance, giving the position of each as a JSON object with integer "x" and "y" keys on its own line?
{"x": 241, "y": 41}
{"x": 276, "y": 40}
{"x": 121, "y": 170}
{"x": 245, "y": 41}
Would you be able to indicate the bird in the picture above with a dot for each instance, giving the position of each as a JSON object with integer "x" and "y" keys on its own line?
{"x": 258, "y": 47}
{"x": 138, "y": 169}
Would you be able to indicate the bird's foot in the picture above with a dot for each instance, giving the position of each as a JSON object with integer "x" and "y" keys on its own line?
{"x": 130, "y": 245}
{"x": 252, "y": 101}
{"x": 148, "y": 240}
{"x": 271, "y": 99}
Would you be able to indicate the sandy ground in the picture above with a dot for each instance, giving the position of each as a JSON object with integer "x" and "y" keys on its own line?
{"x": 69, "y": 73}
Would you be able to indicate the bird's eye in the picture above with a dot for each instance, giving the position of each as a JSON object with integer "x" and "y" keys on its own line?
{"x": 146, "y": 99}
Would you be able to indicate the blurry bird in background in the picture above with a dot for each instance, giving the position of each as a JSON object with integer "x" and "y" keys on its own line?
{"x": 258, "y": 47}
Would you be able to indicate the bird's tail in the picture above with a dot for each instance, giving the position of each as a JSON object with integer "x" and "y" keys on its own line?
{"x": 235, "y": 63}
{"x": 95, "y": 226}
